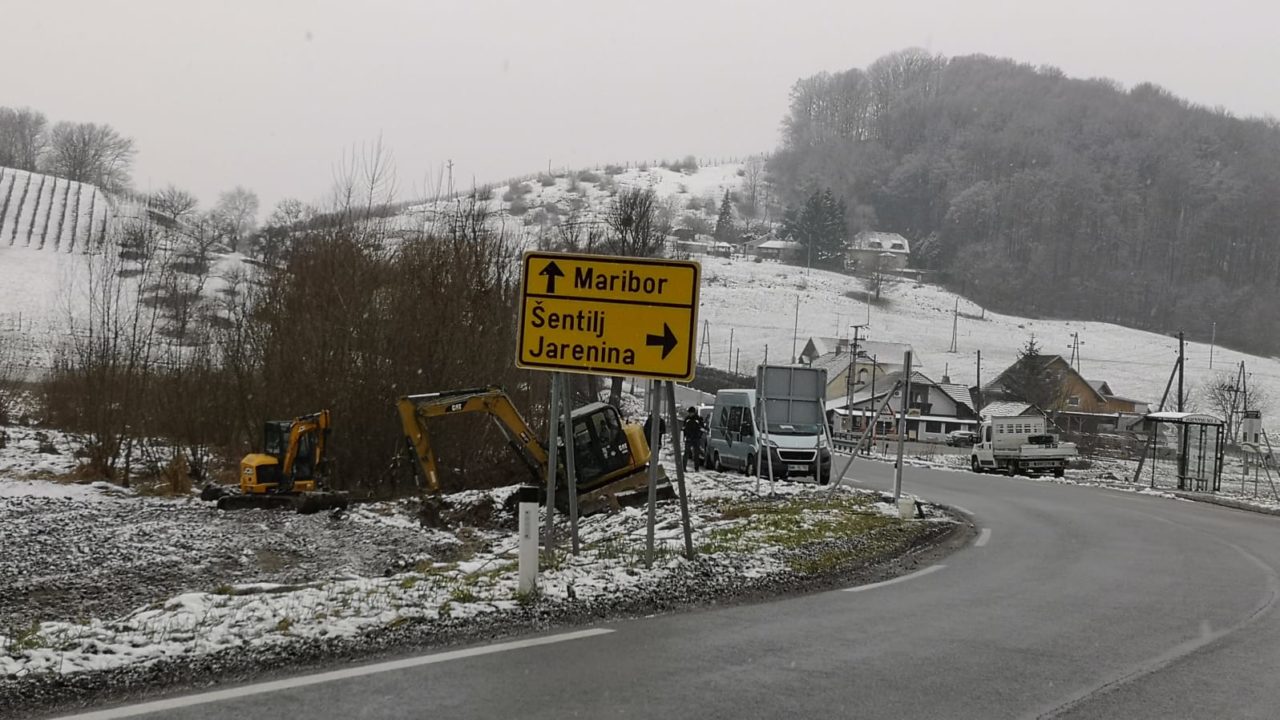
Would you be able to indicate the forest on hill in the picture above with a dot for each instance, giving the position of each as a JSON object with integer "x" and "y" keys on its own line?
{"x": 1039, "y": 194}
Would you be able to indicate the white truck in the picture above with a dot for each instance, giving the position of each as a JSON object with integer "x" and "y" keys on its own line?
{"x": 1019, "y": 445}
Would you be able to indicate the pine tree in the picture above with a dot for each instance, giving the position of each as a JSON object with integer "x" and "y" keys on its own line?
{"x": 820, "y": 226}
{"x": 725, "y": 231}
{"x": 1032, "y": 378}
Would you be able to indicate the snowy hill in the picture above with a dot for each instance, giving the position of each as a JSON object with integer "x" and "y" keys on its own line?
{"x": 757, "y": 301}
{"x": 540, "y": 199}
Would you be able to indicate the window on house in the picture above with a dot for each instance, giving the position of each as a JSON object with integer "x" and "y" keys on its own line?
{"x": 932, "y": 427}
{"x": 1074, "y": 401}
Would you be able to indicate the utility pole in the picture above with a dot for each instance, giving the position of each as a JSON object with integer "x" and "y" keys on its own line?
{"x": 1213, "y": 339}
{"x": 902, "y": 424}
{"x": 1075, "y": 351}
{"x": 795, "y": 331}
{"x": 955, "y": 325}
{"x": 978, "y": 384}
{"x": 849, "y": 376}
{"x": 1181, "y": 367}
{"x": 728, "y": 363}
{"x": 1182, "y": 426}
{"x": 705, "y": 344}
{"x": 875, "y": 366}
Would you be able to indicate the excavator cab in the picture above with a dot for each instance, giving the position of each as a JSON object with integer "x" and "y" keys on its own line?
{"x": 292, "y": 455}
{"x": 611, "y": 458}
{"x": 288, "y": 471}
{"x": 602, "y": 447}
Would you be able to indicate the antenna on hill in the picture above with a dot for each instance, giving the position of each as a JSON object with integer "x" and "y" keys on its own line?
{"x": 1076, "y": 342}
{"x": 955, "y": 325}
{"x": 705, "y": 345}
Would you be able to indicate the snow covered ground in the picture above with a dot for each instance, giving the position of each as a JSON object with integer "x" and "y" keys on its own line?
{"x": 100, "y": 578}
{"x": 758, "y": 302}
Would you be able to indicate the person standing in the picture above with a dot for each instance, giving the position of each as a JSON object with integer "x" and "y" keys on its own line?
{"x": 692, "y": 429}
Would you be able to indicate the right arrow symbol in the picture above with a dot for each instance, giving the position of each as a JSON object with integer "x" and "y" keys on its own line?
{"x": 667, "y": 340}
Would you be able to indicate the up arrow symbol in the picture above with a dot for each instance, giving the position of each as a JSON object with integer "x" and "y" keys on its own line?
{"x": 552, "y": 271}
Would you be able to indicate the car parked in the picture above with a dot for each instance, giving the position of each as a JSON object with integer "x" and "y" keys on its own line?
{"x": 962, "y": 438}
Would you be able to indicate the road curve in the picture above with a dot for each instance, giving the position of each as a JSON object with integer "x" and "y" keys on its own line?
{"x": 1072, "y": 602}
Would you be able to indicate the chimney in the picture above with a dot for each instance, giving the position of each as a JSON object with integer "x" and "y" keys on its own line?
{"x": 842, "y": 345}
{"x": 946, "y": 379}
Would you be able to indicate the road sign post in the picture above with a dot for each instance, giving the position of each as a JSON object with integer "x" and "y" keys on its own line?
{"x": 603, "y": 315}
{"x": 678, "y": 450}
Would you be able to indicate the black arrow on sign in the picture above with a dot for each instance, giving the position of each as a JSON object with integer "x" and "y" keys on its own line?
{"x": 667, "y": 340}
{"x": 552, "y": 271}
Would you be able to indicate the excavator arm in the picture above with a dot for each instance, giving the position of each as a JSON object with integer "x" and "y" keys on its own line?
{"x": 416, "y": 410}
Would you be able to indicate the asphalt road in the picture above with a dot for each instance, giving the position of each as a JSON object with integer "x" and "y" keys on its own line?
{"x": 1074, "y": 602}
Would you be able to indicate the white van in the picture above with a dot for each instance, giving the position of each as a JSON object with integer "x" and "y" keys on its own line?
{"x": 734, "y": 441}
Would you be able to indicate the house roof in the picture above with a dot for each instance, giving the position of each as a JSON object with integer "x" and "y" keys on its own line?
{"x": 1184, "y": 418}
{"x": 834, "y": 354}
{"x": 1006, "y": 408}
{"x": 958, "y": 393}
{"x": 882, "y": 241}
{"x": 1046, "y": 361}
{"x": 1100, "y": 386}
{"x": 779, "y": 245}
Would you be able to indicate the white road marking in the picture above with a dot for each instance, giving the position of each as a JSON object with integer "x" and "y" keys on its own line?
{"x": 904, "y": 578}
{"x": 157, "y": 706}
{"x": 983, "y": 538}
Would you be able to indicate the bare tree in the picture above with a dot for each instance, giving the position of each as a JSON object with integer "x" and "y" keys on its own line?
{"x": 236, "y": 214}
{"x": 1225, "y": 396}
{"x": 22, "y": 137}
{"x": 752, "y": 186}
{"x": 638, "y": 224}
{"x": 90, "y": 153}
{"x": 177, "y": 203}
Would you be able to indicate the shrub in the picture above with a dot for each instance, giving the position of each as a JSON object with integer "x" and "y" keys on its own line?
{"x": 612, "y": 169}
{"x": 518, "y": 207}
{"x": 588, "y": 176}
{"x": 516, "y": 190}
{"x": 546, "y": 180}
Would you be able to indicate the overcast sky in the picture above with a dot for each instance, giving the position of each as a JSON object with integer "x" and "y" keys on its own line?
{"x": 268, "y": 94}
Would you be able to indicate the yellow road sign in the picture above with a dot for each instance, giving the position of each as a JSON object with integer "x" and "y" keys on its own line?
{"x": 608, "y": 315}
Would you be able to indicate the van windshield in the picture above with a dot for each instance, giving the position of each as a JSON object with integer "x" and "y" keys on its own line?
{"x": 794, "y": 429}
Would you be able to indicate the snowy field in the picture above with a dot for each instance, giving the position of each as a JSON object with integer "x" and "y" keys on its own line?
{"x": 758, "y": 302}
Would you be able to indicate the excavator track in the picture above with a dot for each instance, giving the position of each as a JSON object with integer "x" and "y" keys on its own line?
{"x": 305, "y": 503}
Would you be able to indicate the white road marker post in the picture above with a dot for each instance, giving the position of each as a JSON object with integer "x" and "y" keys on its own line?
{"x": 527, "y": 497}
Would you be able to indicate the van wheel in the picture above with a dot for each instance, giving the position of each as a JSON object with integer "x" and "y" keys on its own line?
{"x": 715, "y": 462}
{"x": 824, "y": 478}
{"x": 1059, "y": 472}
{"x": 973, "y": 464}
{"x": 750, "y": 468}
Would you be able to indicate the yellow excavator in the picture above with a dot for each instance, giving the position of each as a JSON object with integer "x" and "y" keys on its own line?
{"x": 611, "y": 458}
{"x": 288, "y": 473}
